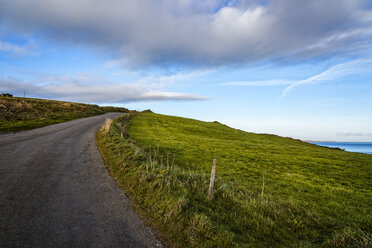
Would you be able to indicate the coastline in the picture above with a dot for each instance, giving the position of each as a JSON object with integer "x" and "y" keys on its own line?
{"x": 360, "y": 147}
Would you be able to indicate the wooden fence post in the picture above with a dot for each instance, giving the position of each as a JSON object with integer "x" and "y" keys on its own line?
{"x": 211, "y": 184}
{"x": 263, "y": 186}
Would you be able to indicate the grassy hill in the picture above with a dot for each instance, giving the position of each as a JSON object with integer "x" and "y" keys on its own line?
{"x": 26, "y": 113}
{"x": 313, "y": 196}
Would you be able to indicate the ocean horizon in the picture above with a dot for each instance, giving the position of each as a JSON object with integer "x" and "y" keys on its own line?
{"x": 361, "y": 147}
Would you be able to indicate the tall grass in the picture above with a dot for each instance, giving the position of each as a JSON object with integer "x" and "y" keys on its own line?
{"x": 168, "y": 188}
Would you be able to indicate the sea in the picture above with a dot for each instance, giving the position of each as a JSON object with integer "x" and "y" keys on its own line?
{"x": 362, "y": 147}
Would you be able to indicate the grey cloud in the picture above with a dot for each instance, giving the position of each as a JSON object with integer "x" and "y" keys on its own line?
{"x": 147, "y": 32}
{"x": 92, "y": 89}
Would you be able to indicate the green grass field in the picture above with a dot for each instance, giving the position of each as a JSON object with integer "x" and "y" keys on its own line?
{"x": 313, "y": 196}
{"x": 18, "y": 114}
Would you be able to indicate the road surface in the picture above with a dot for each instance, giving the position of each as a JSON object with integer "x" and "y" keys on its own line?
{"x": 56, "y": 192}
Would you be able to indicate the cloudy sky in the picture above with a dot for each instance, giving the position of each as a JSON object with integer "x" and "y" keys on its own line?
{"x": 296, "y": 68}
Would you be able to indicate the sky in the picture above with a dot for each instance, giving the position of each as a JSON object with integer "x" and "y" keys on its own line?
{"x": 300, "y": 69}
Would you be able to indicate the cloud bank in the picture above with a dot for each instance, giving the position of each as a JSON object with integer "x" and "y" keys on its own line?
{"x": 92, "y": 89}
{"x": 194, "y": 32}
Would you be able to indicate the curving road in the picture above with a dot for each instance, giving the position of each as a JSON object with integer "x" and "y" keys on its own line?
{"x": 56, "y": 192}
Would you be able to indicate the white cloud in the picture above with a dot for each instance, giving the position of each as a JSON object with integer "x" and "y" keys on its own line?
{"x": 15, "y": 49}
{"x": 365, "y": 15}
{"x": 277, "y": 82}
{"x": 93, "y": 89}
{"x": 341, "y": 36}
{"x": 335, "y": 72}
{"x": 171, "y": 79}
{"x": 354, "y": 134}
{"x": 148, "y": 32}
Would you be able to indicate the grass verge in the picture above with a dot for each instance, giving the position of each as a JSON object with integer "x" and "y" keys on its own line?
{"x": 313, "y": 196}
{"x": 18, "y": 114}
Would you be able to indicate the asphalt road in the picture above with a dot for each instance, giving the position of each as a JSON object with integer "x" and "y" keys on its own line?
{"x": 56, "y": 192}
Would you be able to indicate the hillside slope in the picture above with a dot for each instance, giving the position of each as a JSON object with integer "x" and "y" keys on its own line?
{"x": 27, "y": 113}
{"x": 313, "y": 196}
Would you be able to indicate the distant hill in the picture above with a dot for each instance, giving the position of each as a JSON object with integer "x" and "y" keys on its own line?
{"x": 18, "y": 113}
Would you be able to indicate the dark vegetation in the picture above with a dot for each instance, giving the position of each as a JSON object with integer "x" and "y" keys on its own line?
{"x": 18, "y": 113}
{"x": 313, "y": 196}
{"x": 6, "y": 94}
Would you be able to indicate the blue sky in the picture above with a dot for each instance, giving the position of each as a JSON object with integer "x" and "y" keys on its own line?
{"x": 292, "y": 68}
